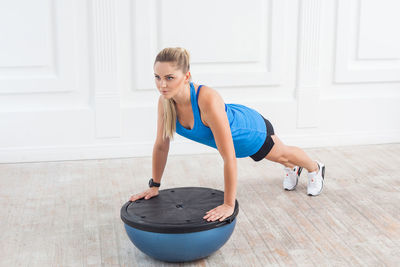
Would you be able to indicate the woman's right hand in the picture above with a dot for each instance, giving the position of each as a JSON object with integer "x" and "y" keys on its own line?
{"x": 147, "y": 194}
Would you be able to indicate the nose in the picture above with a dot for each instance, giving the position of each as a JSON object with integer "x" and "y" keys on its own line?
{"x": 163, "y": 83}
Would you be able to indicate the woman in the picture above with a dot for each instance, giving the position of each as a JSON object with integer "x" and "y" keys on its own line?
{"x": 235, "y": 130}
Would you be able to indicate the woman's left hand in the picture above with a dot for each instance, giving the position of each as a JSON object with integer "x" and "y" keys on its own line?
{"x": 221, "y": 212}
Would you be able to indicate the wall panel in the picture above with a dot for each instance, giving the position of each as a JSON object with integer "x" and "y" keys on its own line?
{"x": 76, "y": 77}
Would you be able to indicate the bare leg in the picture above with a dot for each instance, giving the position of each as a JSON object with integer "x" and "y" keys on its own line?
{"x": 290, "y": 156}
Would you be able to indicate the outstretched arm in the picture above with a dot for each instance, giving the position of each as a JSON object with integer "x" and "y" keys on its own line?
{"x": 159, "y": 158}
{"x": 214, "y": 114}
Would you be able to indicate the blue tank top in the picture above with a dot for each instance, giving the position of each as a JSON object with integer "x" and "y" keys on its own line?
{"x": 247, "y": 127}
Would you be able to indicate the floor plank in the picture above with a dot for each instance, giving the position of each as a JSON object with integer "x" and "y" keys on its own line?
{"x": 68, "y": 213}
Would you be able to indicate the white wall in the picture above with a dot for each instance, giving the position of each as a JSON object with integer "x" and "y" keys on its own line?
{"x": 76, "y": 76}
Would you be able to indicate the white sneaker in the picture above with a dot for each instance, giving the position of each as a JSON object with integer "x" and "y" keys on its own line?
{"x": 291, "y": 177}
{"x": 316, "y": 180}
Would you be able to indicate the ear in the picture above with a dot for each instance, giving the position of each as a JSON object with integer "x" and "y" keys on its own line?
{"x": 187, "y": 76}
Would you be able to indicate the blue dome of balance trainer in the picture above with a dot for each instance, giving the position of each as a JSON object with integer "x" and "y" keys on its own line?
{"x": 170, "y": 227}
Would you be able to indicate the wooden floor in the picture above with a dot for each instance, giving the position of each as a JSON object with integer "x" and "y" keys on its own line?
{"x": 68, "y": 213}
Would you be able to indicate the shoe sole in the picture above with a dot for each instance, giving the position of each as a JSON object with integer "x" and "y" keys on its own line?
{"x": 322, "y": 187}
{"x": 297, "y": 180}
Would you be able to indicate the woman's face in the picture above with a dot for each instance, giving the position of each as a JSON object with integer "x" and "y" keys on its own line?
{"x": 169, "y": 80}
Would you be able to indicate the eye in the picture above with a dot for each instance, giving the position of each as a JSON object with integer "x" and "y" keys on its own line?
{"x": 170, "y": 77}
{"x": 157, "y": 77}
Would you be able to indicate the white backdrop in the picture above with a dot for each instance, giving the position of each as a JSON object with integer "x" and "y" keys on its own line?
{"x": 76, "y": 77}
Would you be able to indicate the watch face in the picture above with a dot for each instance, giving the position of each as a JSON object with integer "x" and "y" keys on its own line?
{"x": 152, "y": 183}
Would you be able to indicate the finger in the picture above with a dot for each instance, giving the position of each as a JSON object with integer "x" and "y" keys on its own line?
{"x": 207, "y": 216}
{"x": 223, "y": 218}
{"x": 136, "y": 197}
{"x": 214, "y": 217}
{"x": 210, "y": 211}
{"x": 147, "y": 196}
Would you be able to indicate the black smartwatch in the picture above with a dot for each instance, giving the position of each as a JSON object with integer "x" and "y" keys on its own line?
{"x": 153, "y": 184}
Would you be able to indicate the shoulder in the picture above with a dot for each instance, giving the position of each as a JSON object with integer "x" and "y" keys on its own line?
{"x": 209, "y": 98}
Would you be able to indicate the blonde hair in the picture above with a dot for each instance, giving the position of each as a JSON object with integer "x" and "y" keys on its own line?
{"x": 181, "y": 58}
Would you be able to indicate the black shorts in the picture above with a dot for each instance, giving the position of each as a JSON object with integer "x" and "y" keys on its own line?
{"x": 268, "y": 143}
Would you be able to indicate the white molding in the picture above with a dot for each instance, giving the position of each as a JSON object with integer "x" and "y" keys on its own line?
{"x": 308, "y": 83}
{"x": 268, "y": 70}
{"x": 145, "y": 40}
{"x": 60, "y": 74}
{"x": 349, "y": 68}
{"x": 104, "y": 64}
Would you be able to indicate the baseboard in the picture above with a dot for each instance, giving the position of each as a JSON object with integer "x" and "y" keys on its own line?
{"x": 343, "y": 139}
{"x": 182, "y": 147}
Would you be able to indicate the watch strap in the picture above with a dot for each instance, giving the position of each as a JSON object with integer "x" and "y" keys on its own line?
{"x": 153, "y": 184}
